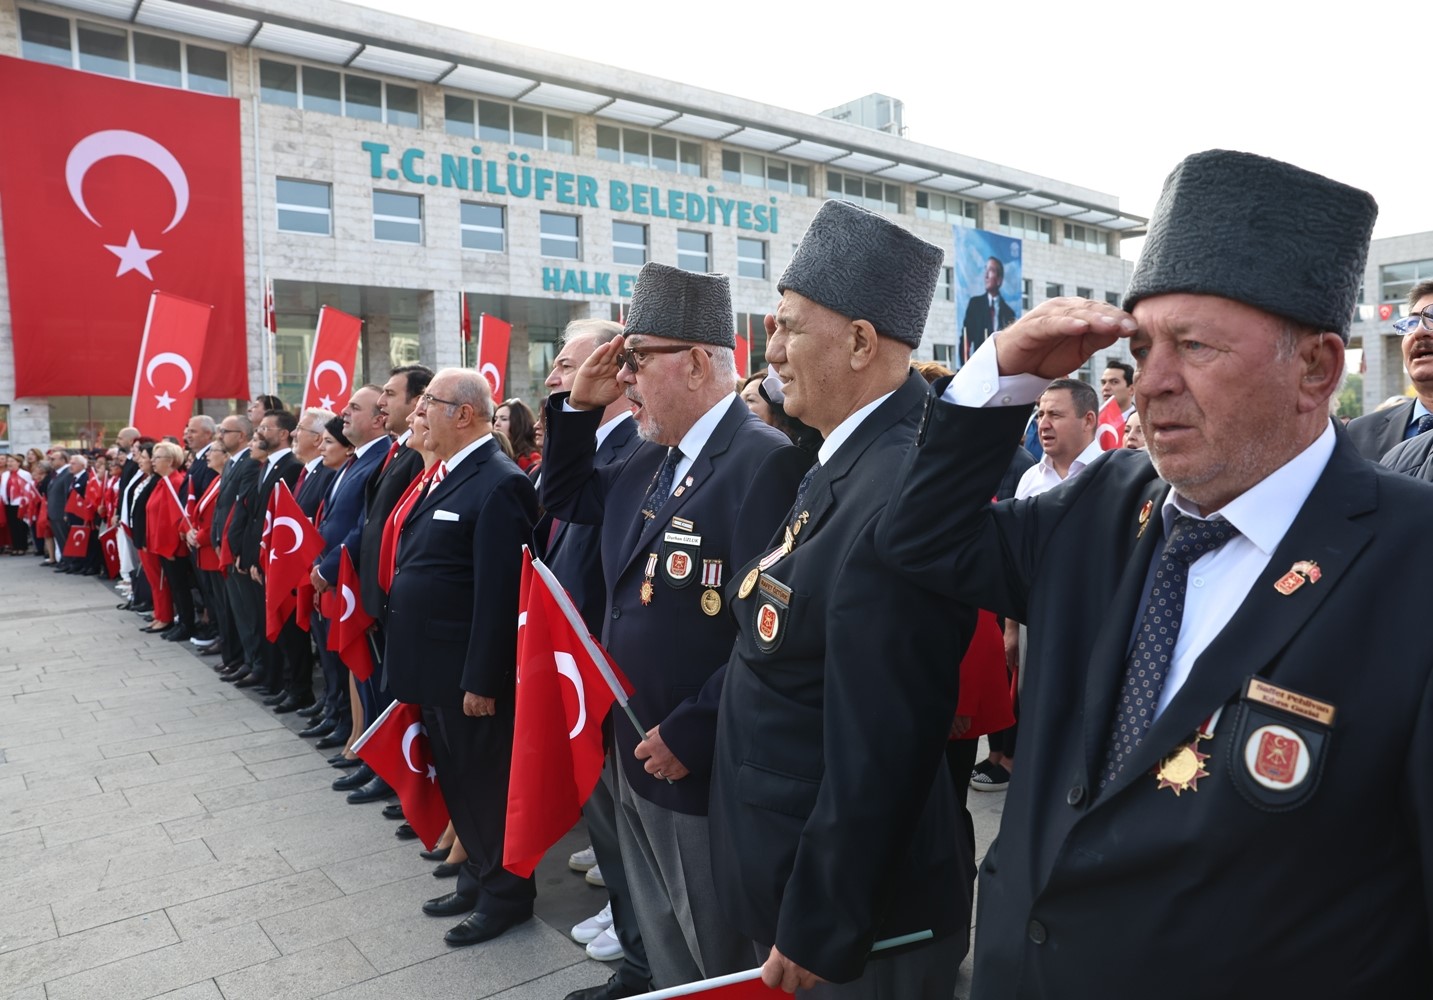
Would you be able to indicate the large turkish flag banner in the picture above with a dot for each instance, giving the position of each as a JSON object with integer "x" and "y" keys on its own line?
{"x": 171, "y": 351}
{"x": 330, "y": 367}
{"x": 111, "y": 190}
{"x": 493, "y": 337}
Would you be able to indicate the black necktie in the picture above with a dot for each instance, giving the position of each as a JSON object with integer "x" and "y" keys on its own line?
{"x": 805, "y": 485}
{"x": 661, "y": 487}
{"x": 1153, "y": 650}
{"x": 1424, "y": 423}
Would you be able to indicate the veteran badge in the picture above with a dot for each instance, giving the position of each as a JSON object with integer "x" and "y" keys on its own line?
{"x": 1276, "y": 757}
{"x": 1144, "y": 517}
{"x": 1183, "y": 768}
{"x": 748, "y": 584}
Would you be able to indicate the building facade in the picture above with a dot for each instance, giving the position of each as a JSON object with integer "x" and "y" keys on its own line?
{"x": 1395, "y": 265}
{"x": 395, "y": 170}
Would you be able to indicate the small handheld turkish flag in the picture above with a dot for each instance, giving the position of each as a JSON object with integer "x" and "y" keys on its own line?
{"x": 287, "y": 565}
{"x": 77, "y": 543}
{"x": 736, "y": 986}
{"x": 330, "y": 367}
{"x": 109, "y": 544}
{"x": 1110, "y": 426}
{"x": 396, "y": 747}
{"x": 493, "y": 337}
{"x": 78, "y": 505}
{"x": 565, "y": 687}
{"x": 348, "y": 622}
{"x": 169, "y": 356}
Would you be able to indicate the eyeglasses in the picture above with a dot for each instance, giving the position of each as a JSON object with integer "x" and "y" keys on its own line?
{"x": 636, "y": 358}
{"x": 1410, "y": 323}
{"x": 230, "y": 430}
{"x": 428, "y": 399}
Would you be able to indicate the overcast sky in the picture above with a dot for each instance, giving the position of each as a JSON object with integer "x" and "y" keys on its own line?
{"x": 1108, "y": 94}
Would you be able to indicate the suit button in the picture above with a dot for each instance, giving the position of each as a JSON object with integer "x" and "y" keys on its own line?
{"x": 1076, "y": 796}
{"x": 1036, "y": 931}
{"x": 616, "y": 613}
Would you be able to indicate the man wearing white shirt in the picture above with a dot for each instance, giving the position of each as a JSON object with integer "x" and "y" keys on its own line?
{"x": 1205, "y": 692}
{"x": 1065, "y": 420}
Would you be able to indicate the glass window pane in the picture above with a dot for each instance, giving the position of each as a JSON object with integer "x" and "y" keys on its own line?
{"x": 483, "y": 239}
{"x": 800, "y": 179}
{"x": 527, "y": 127}
{"x": 363, "y": 98}
{"x": 560, "y": 134}
{"x": 405, "y": 206}
{"x": 45, "y": 38}
{"x": 664, "y": 153}
{"x": 636, "y": 148}
{"x": 690, "y": 154}
{"x": 474, "y": 214}
{"x": 208, "y": 70}
{"x": 458, "y": 115}
{"x": 279, "y": 83}
{"x": 854, "y": 189}
{"x": 609, "y": 143}
{"x": 402, "y": 105}
{"x": 314, "y": 223}
{"x": 156, "y": 59}
{"x": 322, "y": 90}
{"x": 777, "y": 175}
{"x": 397, "y": 232}
{"x": 558, "y": 225}
{"x": 629, "y": 243}
{"x": 103, "y": 50}
{"x": 482, "y": 227}
{"x": 688, "y": 240}
{"x": 493, "y": 122}
{"x": 833, "y": 184}
{"x": 306, "y": 194}
{"x": 731, "y": 166}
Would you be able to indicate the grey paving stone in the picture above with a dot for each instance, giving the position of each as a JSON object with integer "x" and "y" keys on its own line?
{"x": 307, "y": 760}
{"x": 345, "y": 916}
{"x": 46, "y": 813}
{"x": 243, "y": 741}
{"x": 298, "y": 976}
{"x": 21, "y": 928}
{"x": 165, "y": 741}
{"x": 254, "y": 902}
{"x": 142, "y": 866}
{"x": 256, "y": 790}
{"x": 204, "y": 990}
{"x": 146, "y": 771}
{"x": 96, "y": 767}
{"x": 179, "y": 965}
{"x": 558, "y": 984}
{"x": 276, "y": 751}
{"x": 64, "y": 956}
{"x": 123, "y": 727}
{"x": 252, "y": 816}
{"x": 393, "y": 865}
{"x": 164, "y": 796}
{"x": 20, "y": 841}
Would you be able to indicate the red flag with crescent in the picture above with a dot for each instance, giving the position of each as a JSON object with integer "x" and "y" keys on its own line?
{"x": 565, "y": 687}
{"x": 77, "y": 504}
{"x": 77, "y": 542}
{"x": 493, "y": 337}
{"x": 396, "y": 747}
{"x": 123, "y": 188}
{"x": 109, "y": 545}
{"x": 347, "y": 621}
{"x": 330, "y": 367}
{"x": 1110, "y": 426}
{"x": 169, "y": 356}
{"x": 294, "y": 543}
{"x": 735, "y": 986}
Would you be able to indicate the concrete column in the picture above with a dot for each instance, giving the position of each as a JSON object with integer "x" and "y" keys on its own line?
{"x": 440, "y": 334}
{"x": 376, "y": 351}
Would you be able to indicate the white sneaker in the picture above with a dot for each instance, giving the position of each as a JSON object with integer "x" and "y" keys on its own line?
{"x": 582, "y": 860}
{"x": 594, "y": 877}
{"x": 605, "y": 947}
{"x": 593, "y": 926}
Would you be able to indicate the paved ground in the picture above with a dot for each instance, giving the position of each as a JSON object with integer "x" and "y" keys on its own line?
{"x": 162, "y": 834}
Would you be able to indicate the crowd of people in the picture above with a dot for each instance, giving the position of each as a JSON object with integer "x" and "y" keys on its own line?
{"x": 821, "y": 611}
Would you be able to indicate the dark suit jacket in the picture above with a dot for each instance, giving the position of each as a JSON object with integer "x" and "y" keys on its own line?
{"x": 197, "y": 478}
{"x": 385, "y": 488}
{"x": 1228, "y": 888}
{"x": 977, "y": 326}
{"x": 343, "y": 511}
{"x": 829, "y": 831}
{"x": 59, "y": 492}
{"x": 741, "y": 486}
{"x": 452, "y": 612}
{"x": 256, "y": 502}
{"x": 1376, "y": 434}
{"x": 315, "y": 485}
{"x": 575, "y": 552}
{"x": 238, "y": 483}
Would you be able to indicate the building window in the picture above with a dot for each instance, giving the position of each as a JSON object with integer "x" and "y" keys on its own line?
{"x": 752, "y": 326}
{"x": 493, "y": 121}
{"x": 334, "y": 93}
{"x": 1083, "y": 292}
{"x": 278, "y": 83}
{"x": 400, "y": 106}
{"x": 304, "y": 207}
{"x": 484, "y": 227}
{"x": 1113, "y": 298}
{"x": 694, "y": 250}
{"x": 864, "y": 191}
{"x": 1027, "y": 295}
{"x": 635, "y": 147}
{"x": 755, "y": 170}
{"x": 45, "y": 38}
{"x": 629, "y": 243}
{"x": 947, "y": 208}
{"x": 1053, "y": 289}
{"x": 561, "y": 236}
{"x": 1395, "y": 281}
{"x": 1026, "y": 225}
{"x": 103, "y": 49}
{"x": 130, "y": 55}
{"x": 945, "y": 286}
{"x": 1086, "y": 238}
{"x": 943, "y": 354}
{"x": 321, "y": 90}
{"x": 397, "y": 218}
{"x": 750, "y": 258}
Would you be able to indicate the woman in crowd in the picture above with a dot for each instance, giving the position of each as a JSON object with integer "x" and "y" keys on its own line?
{"x": 39, "y": 516}
{"x": 165, "y": 529}
{"x": 334, "y": 451}
{"x": 142, "y": 491}
{"x": 201, "y": 533}
{"x": 515, "y": 419}
{"x": 15, "y": 485}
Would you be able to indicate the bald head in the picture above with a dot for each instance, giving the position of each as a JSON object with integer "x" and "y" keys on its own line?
{"x": 460, "y": 411}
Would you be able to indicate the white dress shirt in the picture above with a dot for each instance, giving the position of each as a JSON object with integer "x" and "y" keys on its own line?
{"x": 1043, "y": 475}
{"x": 271, "y": 461}
{"x": 462, "y": 453}
{"x": 611, "y": 425}
{"x": 696, "y": 439}
{"x": 846, "y": 428}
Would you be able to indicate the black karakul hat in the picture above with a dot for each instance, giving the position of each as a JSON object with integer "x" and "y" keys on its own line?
{"x": 863, "y": 266}
{"x": 682, "y": 305}
{"x": 1265, "y": 233}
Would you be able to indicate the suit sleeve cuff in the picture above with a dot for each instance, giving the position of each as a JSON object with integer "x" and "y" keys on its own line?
{"x": 979, "y": 383}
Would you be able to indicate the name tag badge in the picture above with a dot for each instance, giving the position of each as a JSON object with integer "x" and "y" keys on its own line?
{"x": 680, "y": 558}
{"x": 1279, "y": 745}
{"x": 444, "y": 515}
{"x": 769, "y": 614}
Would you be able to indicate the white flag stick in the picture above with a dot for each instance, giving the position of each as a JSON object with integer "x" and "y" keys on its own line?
{"x": 374, "y": 728}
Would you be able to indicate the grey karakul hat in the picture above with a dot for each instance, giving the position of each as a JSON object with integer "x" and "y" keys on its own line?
{"x": 863, "y": 266}
{"x": 682, "y": 305}
{"x": 1261, "y": 232}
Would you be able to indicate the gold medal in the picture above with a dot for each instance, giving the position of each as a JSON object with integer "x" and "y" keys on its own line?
{"x": 711, "y": 602}
{"x": 645, "y": 593}
{"x": 748, "y": 584}
{"x": 1144, "y": 517}
{"x": 1182, "y": 769}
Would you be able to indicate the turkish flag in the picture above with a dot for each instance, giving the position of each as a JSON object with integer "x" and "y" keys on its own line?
{"x": 330, "y": 367}
{"x": 467, "y": 321}
{"x": 743, "y": 355}
{"x": 169, "y": 355}
{"x": 396, "y": 747}
{"x": 109, "y": 544}
{"x": 286, "y": 568}
{"x": 77, "y": 543}
{"x": 348, "y": 622}
{"x": 122, "y": 188}
{"x": 1110, "y": 426}
{"x": 77, "y": 505}
{"x": 493, "y": 337}
{"x": 737, "y": 986}
{"x": 565, "y": 687}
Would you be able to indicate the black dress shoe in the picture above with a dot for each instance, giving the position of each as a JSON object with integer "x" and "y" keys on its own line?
{"x": 320, "y": 728}
{"x": 126, "y": 606}
{"x": 357, "y": 779}
{"x": 312, "y": 712}
{"x": 180, "y": 634}
{"x": 373, "y": 790}
{"x": 89, "y": 572}
{"x": 450, "y": 905}
{"x": 613, "y": 989}
{"x": 247, "y": 681}
{"x": 269, "y": 691}
{"x": 332, "y": 740}
{"x": 275, "y": 699}
{"x": 448, "y": 869}
{"x": 343, "y": 763}
{"x": 405, "y": 832}
{"x": 292, "y": 704}
{"x": 395, "y": 811}
{"x": 436, "y": 854}
{"x": 234, "y": 673}
{"x": 481, "y": 927}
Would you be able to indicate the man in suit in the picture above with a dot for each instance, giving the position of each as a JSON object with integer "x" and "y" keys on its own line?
{"x": 828, "y": 833}
{"x": 140, "y": 595}
{"x": 452, "y": 639}
{"x": 238, "y": 639}
{"x": 198, "y": 436}
{"x": 57, "y": 495}
{"x": 1378, "y": 433}
{"x": 986, "y": 313}
{"x": 574, "y": 554}
{"x": 699, "y": 497}
{"x": 1197, "y": 743}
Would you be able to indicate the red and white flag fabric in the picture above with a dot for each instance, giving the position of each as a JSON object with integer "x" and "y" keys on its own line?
{"x": 77, "y": 542}
{"x": 330, "y": 366}
{"x": 271, "y": 316}
{"x": 736, "y": 986}
{"x": 123, "y": 188}
{"x": 467, "y": 320}
{"x": 565, "y": 686}
{"x": 78, "y": 505}
{"x": 287, "y": 564}
{"x": 396, "y": 747}
{"x": 175, "y": 331}
{"x": 1110, "y": 426}
{"x": 493, "y": 337}
{"x": 743, "y": 350}
{"x": 347, "y": 621}
{"x": 109, "y": 545}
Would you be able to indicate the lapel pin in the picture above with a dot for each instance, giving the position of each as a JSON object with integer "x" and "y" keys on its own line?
{"x": 1303, "y": 571}
{"x": 1144, "y": 517}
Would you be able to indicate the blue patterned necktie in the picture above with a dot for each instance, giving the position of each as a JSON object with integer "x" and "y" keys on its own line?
{"x": 1420, "y": 426}
{"x": 662, "y": 485}
{"x": 1153, "y": 650}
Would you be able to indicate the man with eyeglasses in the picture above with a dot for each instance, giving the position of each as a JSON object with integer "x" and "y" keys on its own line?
{"x": 1377, "y": 434}
{"x": 240, "y": 635}
{"x": 697, "y": 499}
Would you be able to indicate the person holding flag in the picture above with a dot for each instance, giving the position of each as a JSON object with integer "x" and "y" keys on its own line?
{"x": 165, "y": 528}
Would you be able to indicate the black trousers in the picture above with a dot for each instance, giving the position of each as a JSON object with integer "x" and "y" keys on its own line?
{"x": 19, "y": 530}
{"x": 211, "y": 585}
{"x": 179, "y": 574}
{"x": 600, "y": 812}
{"x": 246, "y": 603}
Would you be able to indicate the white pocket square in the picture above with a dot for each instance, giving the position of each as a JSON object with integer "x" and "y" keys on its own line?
{"x": 444, "y": 515}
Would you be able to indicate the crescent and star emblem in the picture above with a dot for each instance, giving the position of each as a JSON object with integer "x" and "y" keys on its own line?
{"x": 348, "y": 602}
{"x": 490, "y": 372}
{"x": 408, "y": 737}
{"x": 164, "y": 400}
{"x": 567, "y": 667}
{"x": 104, "y": 144}
{"x": 325, "y": 400}
{"x": 293, "y": 526}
